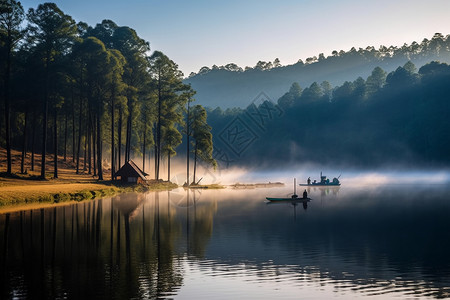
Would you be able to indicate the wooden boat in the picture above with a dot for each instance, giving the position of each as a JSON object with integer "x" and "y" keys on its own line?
{"x": 323, "y": 181}
{"x": 293, "y": 198}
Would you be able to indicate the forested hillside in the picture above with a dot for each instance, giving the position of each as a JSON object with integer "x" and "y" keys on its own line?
{"x": 96, "y": 94}
{"x": 396, "y": 119}
{"x": 231, "y": 86}
{"x": 92, "y": 92}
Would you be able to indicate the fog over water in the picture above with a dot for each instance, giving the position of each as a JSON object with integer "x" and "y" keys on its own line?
{"x": 356, "y": 241}
{"x": 347, "y": 176}
{"x": 380, "y": 235}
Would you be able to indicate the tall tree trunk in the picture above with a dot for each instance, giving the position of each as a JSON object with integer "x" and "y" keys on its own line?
{"x": 126, "y": 143}
{"x": 45, "y": 113}
{"x": 65, "y": 135}
{"x": 1, "y": 120}
{"x": 99, "y": 144}
{"x": 90, "y": 145}
{"x": 85, "y": 145}
{"x": 143, "y": 149}
{"x": 129, "y": 136}
{"x": 116, "y": 158}
{"x": 94, "y": 139}
{"x": 24, "y": 144}
{"x": 79, "y": 134}
{"x": 44, "y": 137}
{"x": 8, "y": 128}
{"x": 73, "y": 127}
{"x": 55, "y": 137}
{"x": 7, "y": 100}
{"x": 120, "y": 137}
{"x": 188, "y": 133}
{"x": 113, "y": 169}
{"x": 127, "y": 140}
{"x": 156, "y": 151}
{"x": 155, "y": 158}
{"x": 32, "y": 140}
{"x": 168, "y": 166}
{"x": 158, "y": 129}
{"x": 195, "y": 162}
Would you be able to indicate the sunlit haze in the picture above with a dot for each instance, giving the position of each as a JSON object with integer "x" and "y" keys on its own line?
{"x": 204, "y": 33}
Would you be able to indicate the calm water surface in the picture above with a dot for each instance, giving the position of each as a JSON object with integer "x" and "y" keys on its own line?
{"x": 385, "y": 242}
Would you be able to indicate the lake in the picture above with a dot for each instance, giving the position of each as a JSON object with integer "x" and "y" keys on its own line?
{"x": 350, "y": 242}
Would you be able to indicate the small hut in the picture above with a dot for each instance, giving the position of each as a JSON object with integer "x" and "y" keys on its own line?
{"x": 131, "y": 173}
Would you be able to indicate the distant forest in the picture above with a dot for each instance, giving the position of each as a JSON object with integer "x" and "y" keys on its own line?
{"x": 232, "y": 86}
{"x": 93, "y": 95}
{"x": 396, "y": 119}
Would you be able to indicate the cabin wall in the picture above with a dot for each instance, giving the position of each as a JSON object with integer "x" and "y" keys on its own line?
{"x": 132, "y": 179}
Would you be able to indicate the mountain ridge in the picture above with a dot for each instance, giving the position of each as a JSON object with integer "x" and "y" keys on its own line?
{"x": 230, "y": 86}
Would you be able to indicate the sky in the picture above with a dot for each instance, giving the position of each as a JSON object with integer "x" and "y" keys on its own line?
{"x": 197, "y": 33}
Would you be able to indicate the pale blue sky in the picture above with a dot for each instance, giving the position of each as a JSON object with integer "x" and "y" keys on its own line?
{"x": 202, "y": 33}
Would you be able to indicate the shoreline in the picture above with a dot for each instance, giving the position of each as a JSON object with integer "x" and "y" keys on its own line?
{"x": 28, "y": 191}
{"x": 20, "y": 191}
{"x": 21, "y": 194}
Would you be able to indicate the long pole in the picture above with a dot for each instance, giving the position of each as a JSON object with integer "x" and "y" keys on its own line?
{"x": 295, "y": 186}
{"x": 187, "y": 138}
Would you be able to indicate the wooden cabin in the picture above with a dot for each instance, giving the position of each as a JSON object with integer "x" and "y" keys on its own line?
{"x": 131, "y": 173}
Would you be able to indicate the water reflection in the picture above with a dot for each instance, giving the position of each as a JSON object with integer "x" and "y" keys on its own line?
{"x": 374, "y": 243}
{"x": 293, "y": 203}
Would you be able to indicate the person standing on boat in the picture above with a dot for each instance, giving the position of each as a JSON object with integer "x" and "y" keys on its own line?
{"x": 309, "y": 180}
{"x": 305, "y": 194}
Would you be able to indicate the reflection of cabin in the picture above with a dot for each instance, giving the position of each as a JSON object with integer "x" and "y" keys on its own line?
{"x": 130, "y": 172}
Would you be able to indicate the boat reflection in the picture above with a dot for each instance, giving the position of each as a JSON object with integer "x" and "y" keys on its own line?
{"x": 324, "y": 190}
{"x": 294, "y": 202}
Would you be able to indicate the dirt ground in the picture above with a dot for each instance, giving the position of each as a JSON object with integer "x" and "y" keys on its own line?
{"x": 66, "y": 169}
{"x": 23, "y": 187}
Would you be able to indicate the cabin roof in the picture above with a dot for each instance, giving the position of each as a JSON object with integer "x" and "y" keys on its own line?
{"x": 130, "y": 169}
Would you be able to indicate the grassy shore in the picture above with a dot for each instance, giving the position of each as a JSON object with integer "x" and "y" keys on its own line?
{"x": 213, "y": 186}
{"x": 21, "y": 190}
